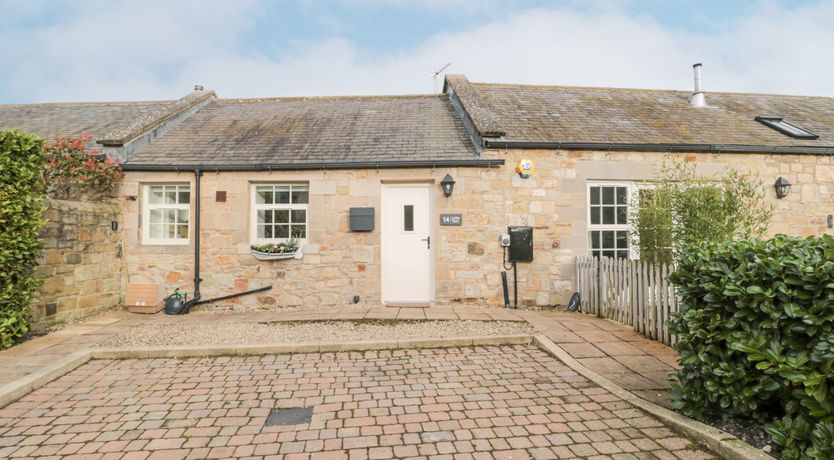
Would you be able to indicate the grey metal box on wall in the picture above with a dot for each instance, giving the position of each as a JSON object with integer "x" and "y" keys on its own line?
{"x": 361, "y": 219}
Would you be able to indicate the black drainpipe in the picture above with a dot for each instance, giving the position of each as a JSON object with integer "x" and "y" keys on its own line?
{"x": 198, "y": 173}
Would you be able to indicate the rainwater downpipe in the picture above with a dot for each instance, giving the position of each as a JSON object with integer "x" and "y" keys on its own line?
{"x": 198, "y": 173}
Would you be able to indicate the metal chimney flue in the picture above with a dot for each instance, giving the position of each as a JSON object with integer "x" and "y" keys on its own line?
{"x": 697, "y": 99}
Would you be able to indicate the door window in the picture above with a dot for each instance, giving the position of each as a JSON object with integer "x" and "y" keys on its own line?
{"x": 408, "y": 218}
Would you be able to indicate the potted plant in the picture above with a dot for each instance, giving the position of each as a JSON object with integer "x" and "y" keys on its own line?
{"x": 278, "y": 251}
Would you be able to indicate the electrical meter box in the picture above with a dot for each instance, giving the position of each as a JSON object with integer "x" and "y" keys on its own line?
{"x": 361, "y": 219}
{"x": 521, "y": 244}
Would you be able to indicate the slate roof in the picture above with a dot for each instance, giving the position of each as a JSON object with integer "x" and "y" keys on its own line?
{"x": 110, "y": 123}
{"x": 313, "y": 130}
{"x": 638, "y": 116}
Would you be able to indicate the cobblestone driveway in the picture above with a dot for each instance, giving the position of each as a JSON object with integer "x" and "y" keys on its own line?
{"x": 485, "y": 402}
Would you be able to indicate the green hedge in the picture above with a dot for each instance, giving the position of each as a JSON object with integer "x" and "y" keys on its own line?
{"x": 21, "y": 209}
{"x": 756, "y": 331}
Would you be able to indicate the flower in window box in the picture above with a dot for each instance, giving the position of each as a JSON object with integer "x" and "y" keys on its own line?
{"x": 276, "y": 251}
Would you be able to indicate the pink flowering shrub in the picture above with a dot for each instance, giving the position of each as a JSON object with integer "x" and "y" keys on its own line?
{"x": 72, "y": 171}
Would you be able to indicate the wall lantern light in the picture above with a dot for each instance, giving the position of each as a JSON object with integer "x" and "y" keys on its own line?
{"x": 783, "y": 187}
{"x": 448, "y": 185}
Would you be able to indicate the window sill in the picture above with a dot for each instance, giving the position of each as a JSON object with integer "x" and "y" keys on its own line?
{"x": 166, "y": 244}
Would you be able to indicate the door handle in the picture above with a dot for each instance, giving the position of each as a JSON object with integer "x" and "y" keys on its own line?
{"x": 428, "y": 242}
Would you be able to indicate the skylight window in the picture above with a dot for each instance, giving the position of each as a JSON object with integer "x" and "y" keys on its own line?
{"x": 786, "y": 128}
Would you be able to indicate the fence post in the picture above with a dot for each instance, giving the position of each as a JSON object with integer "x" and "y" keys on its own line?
{"x": 603, "y": 287}
{"x": 595, "y": 283}
{"x": 666, "y": 304}
{"x": 644, "y": 304}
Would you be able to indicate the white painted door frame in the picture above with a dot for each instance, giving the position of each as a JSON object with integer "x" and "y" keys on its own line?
{"x": 407, "y": 243}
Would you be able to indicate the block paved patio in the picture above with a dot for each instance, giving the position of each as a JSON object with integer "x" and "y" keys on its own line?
{"x": 100, "y": 408}
{"x": 509, "y": 402}
{"x": 610, "y": 349}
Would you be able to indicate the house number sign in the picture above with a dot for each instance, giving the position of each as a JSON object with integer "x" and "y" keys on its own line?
{"x": 451, "y": 219}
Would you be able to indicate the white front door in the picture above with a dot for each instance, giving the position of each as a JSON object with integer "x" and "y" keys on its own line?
{"x": 407, "y": 243}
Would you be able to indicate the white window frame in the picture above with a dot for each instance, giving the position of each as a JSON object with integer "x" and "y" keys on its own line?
{"x": 631, "y": 188}
{"x": 255, "y": 207}
{"x": 146, "y": 214}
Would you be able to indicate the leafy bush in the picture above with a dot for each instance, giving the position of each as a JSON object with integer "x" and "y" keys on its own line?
{"x": 756, "y": 337}
{"x": 73, "y": 171}
{"x": 21, "y": 208}
{"x": 652, "y": 224}
{"x": 684, "y": 209}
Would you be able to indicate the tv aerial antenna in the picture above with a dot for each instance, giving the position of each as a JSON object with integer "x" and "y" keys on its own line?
{"x": 434, "y": 75}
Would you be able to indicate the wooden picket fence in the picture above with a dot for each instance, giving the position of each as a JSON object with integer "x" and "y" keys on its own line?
{"x": 631, "y": 292}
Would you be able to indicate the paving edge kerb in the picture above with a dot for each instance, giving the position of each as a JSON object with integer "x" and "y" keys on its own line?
{"x": 719, "y": 442}
{"x": 19, "y": 388}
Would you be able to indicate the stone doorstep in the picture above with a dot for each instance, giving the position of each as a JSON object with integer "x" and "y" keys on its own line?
{"x": 724, "y": 444}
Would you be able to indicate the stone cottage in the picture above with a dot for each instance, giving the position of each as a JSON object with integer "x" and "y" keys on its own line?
{"x": 262, "y": 170}
{"x": 272, "y": 166}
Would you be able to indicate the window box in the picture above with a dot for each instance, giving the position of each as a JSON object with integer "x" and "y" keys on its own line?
{"x": 281, "y": 251}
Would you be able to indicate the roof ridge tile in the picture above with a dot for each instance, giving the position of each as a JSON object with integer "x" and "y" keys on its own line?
{"x": 333, "y": 98}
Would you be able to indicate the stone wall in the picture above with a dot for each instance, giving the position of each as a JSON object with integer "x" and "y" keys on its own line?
{"x": 339, "y": 264}
{"x": 81, "y": 265}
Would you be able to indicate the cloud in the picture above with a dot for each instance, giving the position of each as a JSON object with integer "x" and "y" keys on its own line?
{"x": 157, "y": 49}
{"x": 98, "y": 50}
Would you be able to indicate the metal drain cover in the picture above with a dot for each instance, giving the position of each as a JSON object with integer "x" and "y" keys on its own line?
{"x": 291, "y": 416}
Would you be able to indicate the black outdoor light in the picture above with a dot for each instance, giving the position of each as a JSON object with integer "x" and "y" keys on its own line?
{"x": 783, "y": 187}
{"x": 448, "y": 184}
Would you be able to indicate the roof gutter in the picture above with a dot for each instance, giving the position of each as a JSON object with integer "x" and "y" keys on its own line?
{"x": 617, "y": 146}
{"x": 480, "y": 163}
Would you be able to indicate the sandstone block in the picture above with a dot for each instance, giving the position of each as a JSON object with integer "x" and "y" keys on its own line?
{"x": 173, "y": 277}
{"x": 52, "y": 285}
{"x": 67, "y": 303}
{"x": 472, "y": 290}
{"x": 72, "y": 258}
{"x": 364, "y": 188}
{"x": 363, "y": 254}
{"x": 475, "y": 249}
{"x": 86, "y": 272}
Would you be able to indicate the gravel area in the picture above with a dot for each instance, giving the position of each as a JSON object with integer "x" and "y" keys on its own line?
{"x": 748, "y": 431}
{"x": 308, "y": 331}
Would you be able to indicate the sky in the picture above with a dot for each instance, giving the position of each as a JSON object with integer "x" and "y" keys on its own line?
{"x": 105, "y": 50}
